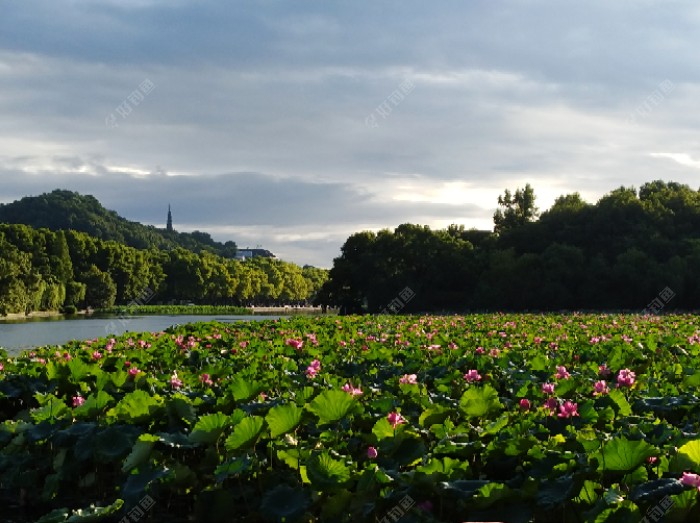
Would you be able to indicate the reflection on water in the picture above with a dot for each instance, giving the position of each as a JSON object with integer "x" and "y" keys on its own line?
{"x": 35, "y": 332}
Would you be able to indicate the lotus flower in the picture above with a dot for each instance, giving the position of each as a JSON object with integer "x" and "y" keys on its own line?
{"x": 551, "y": 404}
{"x": 395, "y": 419}
{"x": 691, "y": 480}
{"x": 568, "y": 409}
{"x": 600, "y": 387}
{"x": 408, "y": 379}
{"x": 625, "y": 378}
{"x": 372, "y": 453}
{"x": 472, "y": 376}
{"x": 352, "y": 390}
{"x": 297, "y": 344}
{"x": 313, "y": 369}
{"x": 562, "y": 373}
{"x": 175, "y": 382}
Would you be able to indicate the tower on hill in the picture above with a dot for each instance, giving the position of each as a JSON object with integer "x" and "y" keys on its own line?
{"x": 169, "y": 226}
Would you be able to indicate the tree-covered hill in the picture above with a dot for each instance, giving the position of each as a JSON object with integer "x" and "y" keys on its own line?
{"x": 67, "y": 210}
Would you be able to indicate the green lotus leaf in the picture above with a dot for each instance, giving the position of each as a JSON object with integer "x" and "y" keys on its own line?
{"x": 245, "y": 433}
{"x": 331, "y": 405}
{"x": 283, "y": 418}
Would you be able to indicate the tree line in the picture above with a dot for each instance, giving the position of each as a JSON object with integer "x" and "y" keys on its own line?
{"x": 618, "y": 253}
{"x": 42, "y": 269}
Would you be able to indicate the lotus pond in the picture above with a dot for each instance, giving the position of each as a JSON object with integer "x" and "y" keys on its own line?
{"x": 517, "y": 418}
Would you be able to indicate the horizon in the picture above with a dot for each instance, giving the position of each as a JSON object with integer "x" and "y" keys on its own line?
{"x": 294, "y": 126}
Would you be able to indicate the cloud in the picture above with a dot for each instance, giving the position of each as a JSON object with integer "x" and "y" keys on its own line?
{"x": 256, "y": 128}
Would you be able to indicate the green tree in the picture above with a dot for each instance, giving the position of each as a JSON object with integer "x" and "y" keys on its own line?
{"x": 517, "y": 209}
{"x": 101, "y": 291}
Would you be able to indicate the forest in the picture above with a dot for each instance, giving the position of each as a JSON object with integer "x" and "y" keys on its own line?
{"x": 616, "y": 254}
{"x": 69, "y": 270}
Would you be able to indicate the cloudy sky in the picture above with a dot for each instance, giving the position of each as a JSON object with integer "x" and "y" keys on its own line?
{"x": 292, "y": 125}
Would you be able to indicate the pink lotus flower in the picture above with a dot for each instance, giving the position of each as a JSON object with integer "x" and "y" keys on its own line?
{"x": 96, "y": 356}
{"x": 175, "y": 382}
{"x": 604, "y": 371}
{"x": 409, "y": 379}
{"x": 548, "y": 388}
{"x": 551, "y": 404}
{"x": 562, "y": 373}
{"x": 313, "y": 369}
{"x": 297, "y": 344}
{"x": 479, "y": 350}
{"x": 600, "y": 387}
{"x": 625, "y": 378}
{"x": 206, "y": 380}
{"x": 243, "y": 344}
{"x": 525, "y": 404}
{"x": 395, "y": 419}
{"x": 66, "y": 357}
{"x": 691, "y": 480}
{"x": 352, "y": 390}
{"x": 133, "y": 371}
{"x": 472, "y": 375}
{"x": 2, "y": 367}
{"x": 568, "y": 409}
{"x": 372, "y": 453}
{"x": 78, "y": 401}
{"x": 652, "y": 460}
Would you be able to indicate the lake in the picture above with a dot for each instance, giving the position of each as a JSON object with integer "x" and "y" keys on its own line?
{"x": 25, "y": 334}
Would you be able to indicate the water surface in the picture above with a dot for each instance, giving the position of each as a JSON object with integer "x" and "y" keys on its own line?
{"x": 25, "y": 334}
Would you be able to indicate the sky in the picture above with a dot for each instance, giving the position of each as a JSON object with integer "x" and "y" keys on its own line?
{"x": 292, "y": 125}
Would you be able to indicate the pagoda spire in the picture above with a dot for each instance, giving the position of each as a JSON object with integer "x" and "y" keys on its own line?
{"x": 169, "y": 226}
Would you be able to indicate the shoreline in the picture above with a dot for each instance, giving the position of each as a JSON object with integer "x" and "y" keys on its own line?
{"x": 289, "y": 309}
{"x": 14, "y": 316}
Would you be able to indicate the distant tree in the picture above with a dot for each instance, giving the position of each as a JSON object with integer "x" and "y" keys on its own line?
{"x": 101, "y": 291}
{"x": 75, "y": 293}
{"x": 517, "y": 209}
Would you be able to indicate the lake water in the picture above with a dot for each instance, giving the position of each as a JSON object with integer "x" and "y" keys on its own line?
{"x": 25, "y": 334}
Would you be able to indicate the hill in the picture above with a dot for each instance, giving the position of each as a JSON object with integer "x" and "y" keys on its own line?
{"x": 64, "y": 210}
